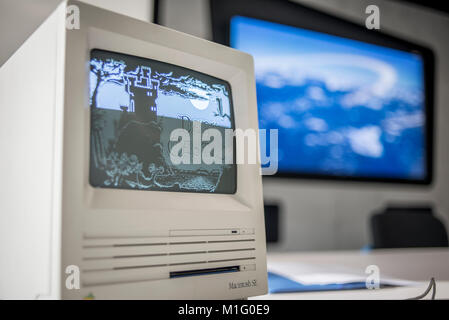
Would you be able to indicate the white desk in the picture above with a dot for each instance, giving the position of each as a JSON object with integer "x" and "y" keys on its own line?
{"x": 408, "y": 264}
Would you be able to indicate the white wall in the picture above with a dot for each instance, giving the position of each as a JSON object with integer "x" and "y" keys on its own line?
{"x": 323, "y": 216}
{"x": 189, "y": 16}
{"x": 19, "y": 18}
{"x": 139, "y": 9}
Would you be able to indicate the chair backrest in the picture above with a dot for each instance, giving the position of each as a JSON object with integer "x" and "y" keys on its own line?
{"x": 272, "y": 222}
{"x": 399, "y": 227}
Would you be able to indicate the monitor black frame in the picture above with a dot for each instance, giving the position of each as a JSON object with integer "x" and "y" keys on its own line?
{"x": 296, "y": 15}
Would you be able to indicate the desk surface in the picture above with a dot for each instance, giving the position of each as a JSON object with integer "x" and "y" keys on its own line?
{"x": 408, "y": 264}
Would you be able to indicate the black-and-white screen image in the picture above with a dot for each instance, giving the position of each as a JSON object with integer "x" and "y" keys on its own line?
{"x": 135, "y": 105}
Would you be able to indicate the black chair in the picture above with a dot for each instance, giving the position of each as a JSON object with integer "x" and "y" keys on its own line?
{"x": 412, "y": 227}
{"x": 272, "y": 222}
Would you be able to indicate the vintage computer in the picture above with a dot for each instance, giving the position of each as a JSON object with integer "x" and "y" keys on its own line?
{"x": 88, "y": 184}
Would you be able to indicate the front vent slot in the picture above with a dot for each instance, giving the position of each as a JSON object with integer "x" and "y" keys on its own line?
{"x": 119, "y": 260}
{"x": 203, "y": 272}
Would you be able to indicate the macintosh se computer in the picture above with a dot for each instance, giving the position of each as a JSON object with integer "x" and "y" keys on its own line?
{"x": 89, "y": 187}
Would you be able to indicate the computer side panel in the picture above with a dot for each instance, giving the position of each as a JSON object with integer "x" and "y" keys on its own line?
{"x": 30, "y": 129}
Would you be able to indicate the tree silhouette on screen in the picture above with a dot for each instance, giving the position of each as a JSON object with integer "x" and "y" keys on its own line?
{"x": 109, "y": 70}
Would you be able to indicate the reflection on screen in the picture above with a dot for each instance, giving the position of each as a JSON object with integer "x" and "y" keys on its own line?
{"x": 135, "y": 104}
{"x": 342, "y": 107}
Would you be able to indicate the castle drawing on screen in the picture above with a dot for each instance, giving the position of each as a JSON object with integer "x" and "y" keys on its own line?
{"x": 342, "y": 107}
{"x": 135, "y": 104}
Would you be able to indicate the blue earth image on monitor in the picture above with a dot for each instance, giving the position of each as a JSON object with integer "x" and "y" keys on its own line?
{"x": 342, "y": 107}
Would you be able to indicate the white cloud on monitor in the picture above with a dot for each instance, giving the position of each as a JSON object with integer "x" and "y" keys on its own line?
{"x": 329, "y": 68}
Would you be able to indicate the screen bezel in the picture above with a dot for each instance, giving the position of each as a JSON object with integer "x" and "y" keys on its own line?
{"x": 293, "y": 14}
{"x": 178, "y": 49}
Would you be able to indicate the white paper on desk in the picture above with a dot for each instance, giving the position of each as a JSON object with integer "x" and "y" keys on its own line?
{"x": 323, "y": 275}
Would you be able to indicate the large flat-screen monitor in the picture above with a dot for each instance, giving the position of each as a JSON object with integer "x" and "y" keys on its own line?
{"x": 348, "y": 103}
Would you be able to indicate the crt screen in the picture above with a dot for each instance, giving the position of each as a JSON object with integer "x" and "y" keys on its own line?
{"x": 135, "y": 104}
